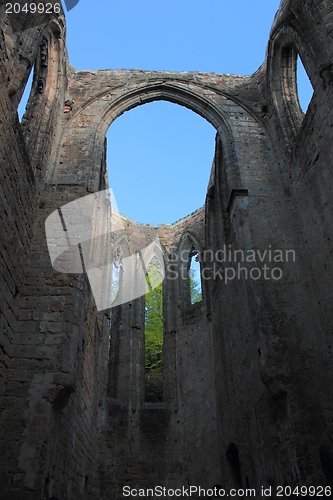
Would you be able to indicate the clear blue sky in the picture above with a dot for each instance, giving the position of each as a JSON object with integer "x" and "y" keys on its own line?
{"x": 160, "y": 154}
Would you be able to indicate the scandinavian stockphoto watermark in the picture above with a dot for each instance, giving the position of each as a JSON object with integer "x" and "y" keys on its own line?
{"x": 228, "y": 264}
{"x": 125, "y": 260}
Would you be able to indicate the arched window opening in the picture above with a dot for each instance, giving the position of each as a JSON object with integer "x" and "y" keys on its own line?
{"x": 190, "y": 285}
{"x": 304, "y": 86}
{"x": 117, "y": 270}
{"x": 116, "y": 280}
{"x": 232, "y": 455}
{"x": 22, "y": 107}
{"x": 39, "y": 72}
{"x": 152, "y": 152}
{"x": 154, "y": 333}
{"x": 195, "y": 277}
{"x": 291, "y": 87}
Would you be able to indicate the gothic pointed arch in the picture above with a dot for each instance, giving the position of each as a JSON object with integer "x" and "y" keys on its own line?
{"x": 173, "y": 92}
{"x": 45, "y": 106}
{"x": 120, "y": 251}
{"x": 285, "y": 47}
{"x": 190, "y": 247}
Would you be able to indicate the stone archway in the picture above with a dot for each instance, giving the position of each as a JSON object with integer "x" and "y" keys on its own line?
{"x": 100, "y": 97}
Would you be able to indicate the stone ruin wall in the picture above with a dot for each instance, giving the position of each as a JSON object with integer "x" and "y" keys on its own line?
{"x": 263, "y": 349}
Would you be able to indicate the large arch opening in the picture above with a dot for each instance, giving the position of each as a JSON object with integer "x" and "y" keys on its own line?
{"x": 128, "y": 97}
{"x": 159, "y": 159}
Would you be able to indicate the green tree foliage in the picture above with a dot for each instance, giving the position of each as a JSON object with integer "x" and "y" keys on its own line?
{"x": 195, "y": 287}
{"x": 154, "y": 320}
{"x": 154, "y": 330}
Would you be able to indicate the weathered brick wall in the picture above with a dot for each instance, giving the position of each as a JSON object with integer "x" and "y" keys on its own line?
{"x": 21, "y": 186}
{"x": 52, "y": 340}
{"x": 279, "y": 333}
